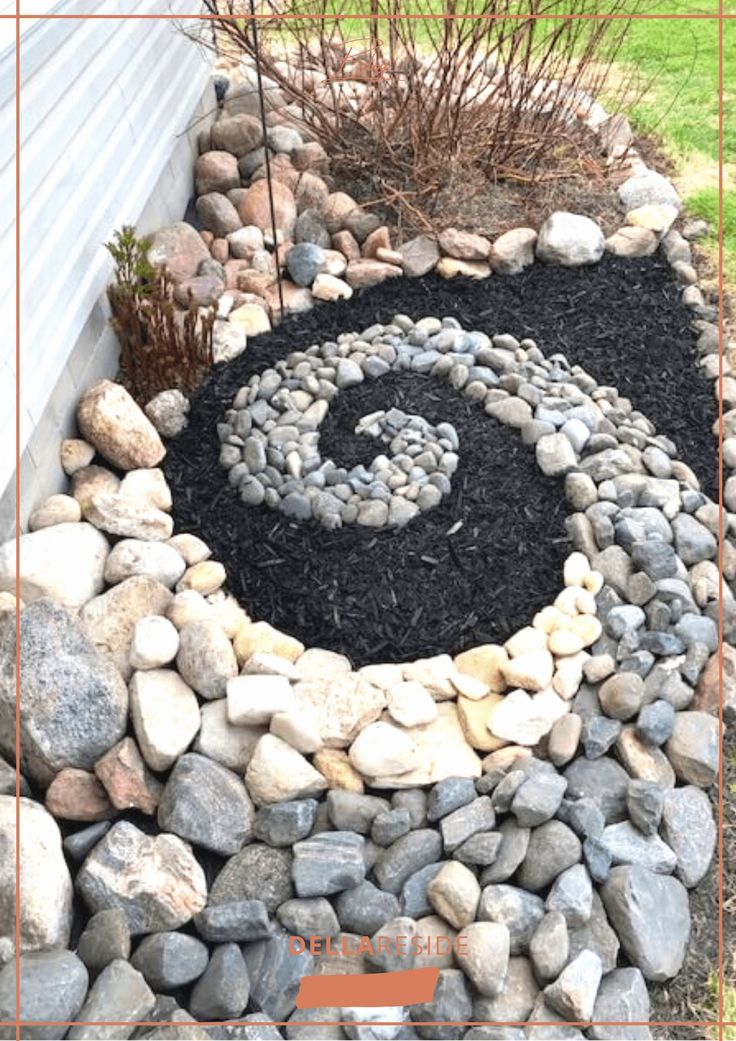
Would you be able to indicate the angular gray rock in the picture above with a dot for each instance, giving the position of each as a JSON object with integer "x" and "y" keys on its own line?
{"x": 239, "y": 921}
{"x": 553, "y": 847}
{"x": 538, "y": 798}
{"x": 106, "y": 937}
{"x": 206, "y": 804}
{"x": 313, "y": 916}
{"x": 451, "y": 1004}
{"x": 511, "y": 852}
{"x": 572, "y": 895}
{"x": 328, "y": 863}
{"x": 223, "y": 991}
{"x": 406, "y": 856}
{"x": 690, "y": 831}
{"x": 520, "y": 911}
{"x": 604, "y": 781}
{"x": 53, "y": 987}
{"x": 574, "y": 991}
{"x": 365, "y": 908}
{"x": 549, "y": 947}
{"x": 627, "y": 845}
{"x": 118, "y": 994}
{"x": 622, "y": 998}
{"x": 258, "y": 872}
{"x": 476, "y": 816}
{"x": 73, "y": 702}
{"x": 693, "y": 748}
{"x": 651, "y": 915}
{"x": 284, "y": 823}
{"x": 275, "y": 973}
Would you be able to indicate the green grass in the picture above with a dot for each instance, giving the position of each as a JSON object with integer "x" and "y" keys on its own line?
{"x": 729, "y": 1009}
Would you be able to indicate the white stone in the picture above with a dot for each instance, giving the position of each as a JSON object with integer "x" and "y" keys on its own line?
{"x": 526, "y": 641}
{"x": 228, "y": 341}
{"x": 220, "y": 740}
{"x": 299, "y": 729}
{"x": 168, "y": 410}
{"x": 45, "y": 884}
{"x": 436, "y": 674}
{"x": 191, "y": 606}
{"x": 532, "y": 671}
{"x": 342, "y": 707}
{"x": 265, "y": 664}
{"x": 383, "y": 676}
{"x": 469, "y": 686}
{"x": 147, "y": 486}
{"x": 329, "y": 287}
{"x": 155, "y": 642}
{"x": 277, "y": 772}
{"x": 575, "y": 569}
{"x": 318, "y": 664}
{"x": 563, "y": 642}
{"x": 441, "y": 751}
{"x": 570, "y": 239}
{"x": 120, "y": 515}
{"x": 65, "y": 563}
{"x": 57, "y": 509}
{"x": 411, "y": 704}
{"x": 206, "y": 658}
{"x": 555, "y": 455}
{"x": 525, "y": 720}
{"x": 165, "y": 715}
{"x": 191, "y": 548}
{"x": 569, "y": 675}
{"x": 75, "y": 454}
{"x": 131, "y": 557}
{"x": 205, "y": 577}
{"x": 252, "y": 700}
{"x": 382, "y": 749}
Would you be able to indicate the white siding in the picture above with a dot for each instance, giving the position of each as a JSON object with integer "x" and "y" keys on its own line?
{"x": 103, "y": 105}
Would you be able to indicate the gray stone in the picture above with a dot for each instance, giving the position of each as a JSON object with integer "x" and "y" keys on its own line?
{"x": 239, "y": 921}
{"x": 364, "y": 909}
{"x": 328, "y": 863}
{"x": 451, "y": 1004}
{"x": 622, "y": 998}
{"x": 415, "y": 801}
{"x": 553, "y": 847}
{"x": 689, "y": 830}
{"x": 390, "y": 826}
{"x": 169, "y": 960}
{"x": 284, "y": 823}
{"x": 604, "y": 781}
{"x": 555, "y": 455}
{"x": 222, "y": 992}
{"x": 584, "y": 817}
{"x": 574, "y": 991}
{"x": 419, "y": 255}
{"x": 572, "y": 895}
{"x": 106, "y": 937}
{"x": 309, "y": 917}
{"x": 414, "y": 900}
{"x": 693, "y": 541}
{"x": 520, "y": 911}
{"x": 449, "y": 795}
{"x": 406, "y": 856}
{"x": 693, "y": 748}
{"x": 353, "y": 811}
{"x": 481, "y": 849}
{"x": 304, "y": 262}
{"x": 516, "y": 1000}
{"x": 275, "y": 973}
{"x": 258, "y": 872}
{"x": 549, "y": 947}
{"x": 73, "y": 701}
{"x": 648, "y": 189}
{"x": 597, "y": 859}
{"x": 486, "y": 957}
{"x": 511, "y": 852}
{"x": 53, "y": 987}
{"x": 627, "y": 845}
{"x": 596, "y": 935}
{"x": 651, "y": 915}
{"x": 599, "y": 734}
{"x": 645, "y": 803}
{"x": 459, "y": 825}
{"x": 207, "y": 804}
{"x": 118, "y": 994}
{"x": 538, "y": 798}
{"x": 655, "y": 723}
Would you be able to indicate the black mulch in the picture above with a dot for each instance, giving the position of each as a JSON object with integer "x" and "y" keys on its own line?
{"x": 398, "y": 595}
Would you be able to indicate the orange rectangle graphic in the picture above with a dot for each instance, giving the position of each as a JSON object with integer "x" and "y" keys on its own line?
{"x": 410, "y": 987}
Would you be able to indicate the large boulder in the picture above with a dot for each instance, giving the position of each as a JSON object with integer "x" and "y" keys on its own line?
{"x": 179, "y": 248}
{"x": 155, "y": 881}
{"x": 53, "y": 985}
{"x": 254, "y": 208}
{"x": 651, "y": 915}
{"x": 64, "y": 562}
{"x": 45, "y": 883}
{"x": 109, "y": 418}
{"x": 73, "y": 701}
{"x": 570, "y": 239}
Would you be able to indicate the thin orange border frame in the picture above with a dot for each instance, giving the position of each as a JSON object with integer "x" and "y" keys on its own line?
{"x": 720, "y": 17}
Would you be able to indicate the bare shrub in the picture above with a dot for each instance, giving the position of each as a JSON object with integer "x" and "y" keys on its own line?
{"x": 408, "y": 99}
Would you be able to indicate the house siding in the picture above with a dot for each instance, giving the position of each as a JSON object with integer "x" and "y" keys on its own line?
{"x": 110, "y": 111}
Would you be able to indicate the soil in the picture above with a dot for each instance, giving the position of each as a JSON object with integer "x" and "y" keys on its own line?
{"x": 398, "y": 595}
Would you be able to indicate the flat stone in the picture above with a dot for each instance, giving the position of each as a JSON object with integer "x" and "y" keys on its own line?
{"x": 689, "y": 830}
{"x": 651, "y": 915}
{"x": 155, "y": 881}
{"x": 65, "y": 563}
{"x": 73, "y": 702}
{"x": 109, "y": 620}
{"x": 404, "y": 857}
{"x": 118, "y": 994}
{"x": 239, "y": 921}
{"x": 419, "y": 255}
{"x": 165, "y": 715}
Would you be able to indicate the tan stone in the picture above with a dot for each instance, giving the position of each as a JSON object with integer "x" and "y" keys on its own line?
{"x": 464, "y": 245}
{"x": 708, "y": 690}
{"x": 120, "y": 515}
{"x": 75, "y": 795}
{"x": 178, "y": 248}
{"x": 147, "y": 486}
{"x": 254, "y": 207}
{"x": 277, "y": 772}
{"x": 220, "y": 251}
{"x": 338, "y": 771}
{"x": 252, "y": 319}
{"x": 74, "y": 454}
{"x": 338, "y": 206}
{"x": 65, "y": 563}
{"x": 363, "y": 273}
{"x": 513, "y": 251}
{"x": 378, "y": 239}
{"x": 296, "y": 299}
{"x": 311, "y": 192}
{"x": 109, "y": 620}
{"x": 484, "y": 663}
{"x": 92, "y": 480}
{"x": 505, "y": 758}
{"x": 216, "y": 171}
{"x": 205, "y": 577}
{"x": 328, "y": 287}
{"x": 238, "y": 134}
{"x": 642, "y": 761}
{"x": 346, "y": 243}
{"x": 474, "y": 719}
{"x": 127, "y": 781}
{"x": 165, "y": 715}
{"x": 190, "y": 547}
{"x": 109, "y": 418}
{"x": 390, "y": 256}
{"x": 442, "y": 752}
{"x": 57, "y": 509}
{"x": 342, "y": 706}
{"x": 311, "y": 156}
{"x": 254, "y": 637}
{"x": 655, "y": 217}
{"x": 632, "y": 242}
{"x": 450, "y": 267}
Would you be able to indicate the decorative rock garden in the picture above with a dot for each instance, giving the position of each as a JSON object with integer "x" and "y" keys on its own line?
{"x": 203, "y": 788}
